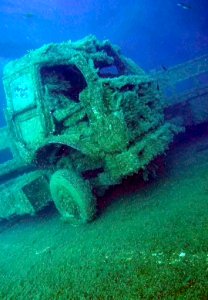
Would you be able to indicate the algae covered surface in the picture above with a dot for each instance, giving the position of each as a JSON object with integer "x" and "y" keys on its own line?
{"x": 149, "y": 242}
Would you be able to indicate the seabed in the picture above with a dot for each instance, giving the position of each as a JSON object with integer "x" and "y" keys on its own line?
{"x": 149, "y": 242}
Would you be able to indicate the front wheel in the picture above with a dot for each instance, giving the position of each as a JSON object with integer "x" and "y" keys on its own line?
{"x": 72, "y": 196}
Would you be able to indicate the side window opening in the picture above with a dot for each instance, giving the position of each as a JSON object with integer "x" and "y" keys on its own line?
{"x": 63, "y": 82}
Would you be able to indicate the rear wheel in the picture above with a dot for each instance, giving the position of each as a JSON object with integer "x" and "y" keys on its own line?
{"x": 72, "y": 196}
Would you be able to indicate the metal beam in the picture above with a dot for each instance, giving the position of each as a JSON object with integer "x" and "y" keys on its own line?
{"x": 180, "y": 72}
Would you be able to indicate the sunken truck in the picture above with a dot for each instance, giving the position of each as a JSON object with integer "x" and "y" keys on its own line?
{"x": 80, "y": 117}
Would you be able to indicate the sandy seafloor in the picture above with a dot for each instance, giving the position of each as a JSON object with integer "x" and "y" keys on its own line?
{"x": 150, "y": 242}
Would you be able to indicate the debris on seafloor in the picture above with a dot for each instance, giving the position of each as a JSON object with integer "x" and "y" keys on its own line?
{"x": 44, "y": 250}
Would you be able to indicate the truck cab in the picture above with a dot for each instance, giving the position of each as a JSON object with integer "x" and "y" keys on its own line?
{"x": 85, "y": 115}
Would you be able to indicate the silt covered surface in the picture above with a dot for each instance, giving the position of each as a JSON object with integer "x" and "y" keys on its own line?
{"x": 150, "y": 241}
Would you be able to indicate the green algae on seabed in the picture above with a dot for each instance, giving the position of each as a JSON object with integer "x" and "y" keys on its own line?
{"x": 149, "y": 244}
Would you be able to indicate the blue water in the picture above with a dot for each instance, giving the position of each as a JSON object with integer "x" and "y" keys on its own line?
{"x": 152, "y": 32}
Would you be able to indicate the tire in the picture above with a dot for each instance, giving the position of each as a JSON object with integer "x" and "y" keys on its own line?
{"x": 72, "y": 196}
